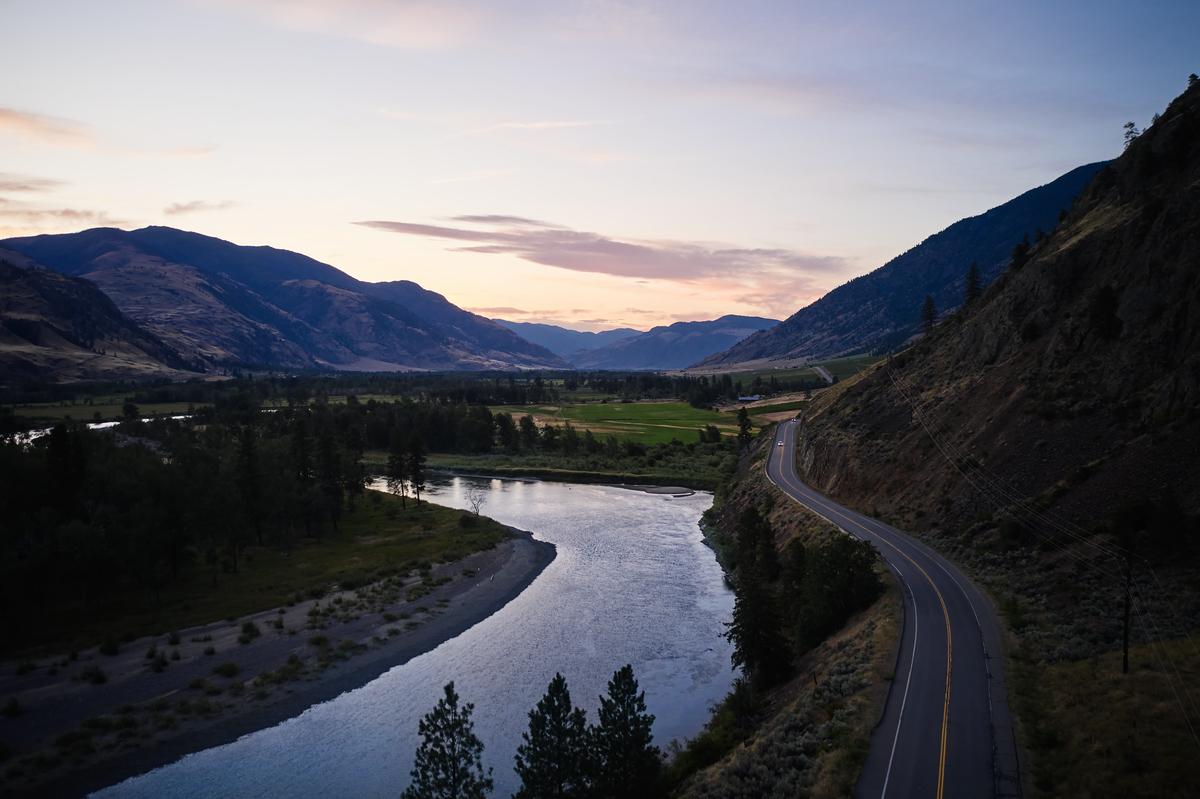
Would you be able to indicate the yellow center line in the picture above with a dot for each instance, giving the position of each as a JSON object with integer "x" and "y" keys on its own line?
{"x": 941, "y": 782}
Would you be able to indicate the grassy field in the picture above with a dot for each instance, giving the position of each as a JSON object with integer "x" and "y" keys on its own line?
{"x": 377, "y": 538}
{"x": 644, "y": 422}
{"x": 841, "y": 368}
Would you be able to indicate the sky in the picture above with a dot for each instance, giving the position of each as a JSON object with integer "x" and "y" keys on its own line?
{"x": 593, "y": 163}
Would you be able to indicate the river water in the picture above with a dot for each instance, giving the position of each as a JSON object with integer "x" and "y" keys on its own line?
{"x": 632, "y": 583}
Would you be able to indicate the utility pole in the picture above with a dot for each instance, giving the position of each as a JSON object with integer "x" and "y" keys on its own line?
{"x": 1125, "y": 636}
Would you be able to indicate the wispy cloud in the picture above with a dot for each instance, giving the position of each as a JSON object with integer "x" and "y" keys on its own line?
{"x": 468, "y": 177}
{"x": 542, "y": 125}
{"x": 46, "y": 129}
{"x": 583, "y": 251}
{"x": 774, "y": 280}
{"x": 192, "y": 206}
{"x": 25, "y": 183}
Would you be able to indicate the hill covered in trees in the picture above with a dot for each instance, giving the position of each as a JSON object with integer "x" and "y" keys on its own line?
{"x": 881, "y": 310}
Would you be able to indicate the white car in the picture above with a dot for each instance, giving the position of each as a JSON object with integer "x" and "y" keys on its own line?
{"x": 780, "y": 444}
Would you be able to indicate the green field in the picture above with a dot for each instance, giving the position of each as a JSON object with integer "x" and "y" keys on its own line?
{"x": 841, "y": 368}
{"x": 644, "y": 422}
{"x": 759, "y": 410}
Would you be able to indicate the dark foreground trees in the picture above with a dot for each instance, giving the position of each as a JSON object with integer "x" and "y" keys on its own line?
{"x": 449, "y": 762}
{"x": 560, "y": 756}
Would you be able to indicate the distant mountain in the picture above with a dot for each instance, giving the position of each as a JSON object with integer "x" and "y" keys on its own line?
{"x": 230, "y": 305}
{"x": 65, "y": 328}
{"x": 672, "y": 346}
{"x": 563, "y": 341}
{"x": 881, "y": 310}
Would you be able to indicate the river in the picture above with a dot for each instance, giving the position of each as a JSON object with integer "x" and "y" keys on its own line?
{"x": 632, "y": 582}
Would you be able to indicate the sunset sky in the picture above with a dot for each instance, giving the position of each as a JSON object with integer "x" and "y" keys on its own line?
{"x": 590, "y": 163}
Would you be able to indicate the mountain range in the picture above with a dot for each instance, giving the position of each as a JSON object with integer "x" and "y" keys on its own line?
{"x": 225, "y": 306}
{"x": 672, "y": 346}
{"x": 881, "y": 310}
{"x": 565, "y": 342}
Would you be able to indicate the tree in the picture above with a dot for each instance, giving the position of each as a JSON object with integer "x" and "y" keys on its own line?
{"x": 973, "y": 289}
{"x": 743, "y": 420}
{"x": 755, "y": 630}
{"x": 249, "y": 480}
{"x": 756, "y": 544}
{"x": 1020, "y": 253}
{"x": 529, "y": 433}
{"x": 416, "y": 466}
{"x": 449, "y": 763}
{"x": 1131, "y": 133}
{"x": 627, "y": 763}
{"x": 928, "y": 314}
{"x": 397, "y": 468}
{"x": 476, "y": 496}
{"x": 554, "y": 760}
{"x": 1192, "y": 79}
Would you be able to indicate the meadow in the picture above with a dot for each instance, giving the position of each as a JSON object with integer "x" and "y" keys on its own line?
{"x": 643, "y": 422}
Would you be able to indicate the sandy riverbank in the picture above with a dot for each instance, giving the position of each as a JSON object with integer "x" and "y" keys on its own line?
{"x": 140, "y": 719}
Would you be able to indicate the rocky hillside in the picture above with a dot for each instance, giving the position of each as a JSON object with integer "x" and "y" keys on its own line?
{"x": 67, "y": 329}
{"x": 1046, "y": 431}
{"x": 881, "y": 310}
{"x": 672, "y": 346}
{"x": 229, "y": 305}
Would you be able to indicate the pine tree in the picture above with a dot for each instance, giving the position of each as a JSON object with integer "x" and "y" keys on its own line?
{"x": 627, "y": 762}
{"x": 755, "y": 631}
{"x": 397, "y": 468}
{"x": 973, "y": 289}
{"x": 928, "y": 314}
{"x": 416, "y": 466}
{"x": 743, "y": 420}
{"x": 249, "y": 480}
{"x": 554, "y": 760}
{"x": 449, "y": 761}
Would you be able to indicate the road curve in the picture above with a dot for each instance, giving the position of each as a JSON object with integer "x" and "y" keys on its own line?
{"x": 946, "y": 730}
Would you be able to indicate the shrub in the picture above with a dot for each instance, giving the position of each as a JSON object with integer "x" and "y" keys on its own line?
{"x": 227, "y": 669}
{"x": 12, "y": 708}
{"x": 25, "y": 666}
{"x": 159, "y": 664}
{"x": 209, "y": 650}
{"x": 173, "y": 639}
{"x": 110, "y": 647}
{"x": 319, "y": 641}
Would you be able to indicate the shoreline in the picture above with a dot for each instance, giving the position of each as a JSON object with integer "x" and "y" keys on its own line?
{"x": 637, "y": 482}
{"x": 527, "y": 560}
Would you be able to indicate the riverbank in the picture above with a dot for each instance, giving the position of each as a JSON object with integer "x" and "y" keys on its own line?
{"x": 228, "y": 682}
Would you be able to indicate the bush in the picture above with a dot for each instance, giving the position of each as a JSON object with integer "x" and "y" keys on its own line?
{"x": 173, "y": 639}
{"x": 25, "y": 666}
{"x": 12, "y": 708}
{"x": 227, "y": 669}
{"x": 110, "y": 647}
{"x": 209, "y": 650}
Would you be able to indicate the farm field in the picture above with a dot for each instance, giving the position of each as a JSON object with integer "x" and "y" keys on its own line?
{"x": 644, "y": 422}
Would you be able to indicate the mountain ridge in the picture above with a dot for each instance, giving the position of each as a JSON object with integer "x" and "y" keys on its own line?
{"x": 237, "y": 305}
{"x": 880, "y": 310}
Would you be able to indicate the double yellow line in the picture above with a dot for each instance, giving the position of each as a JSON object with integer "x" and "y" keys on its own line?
{"x": 941, "y": 781}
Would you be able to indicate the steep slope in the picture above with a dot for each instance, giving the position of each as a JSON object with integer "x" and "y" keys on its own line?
{"x": 236, "y": 305}
{"x": 563, "y": 341}
{"x": 672, "y": 346}
{"x": 881, "y": 310}
{"x": 65, "y": 328}
{"x": 1047, "y": 432}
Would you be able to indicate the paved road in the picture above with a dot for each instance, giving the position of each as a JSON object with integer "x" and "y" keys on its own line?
{"x": 946, "y": 730}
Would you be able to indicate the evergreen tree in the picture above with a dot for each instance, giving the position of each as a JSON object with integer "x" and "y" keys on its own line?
{"x": 529, "y": 433}
{"x": 755, "y": 631}
{"x": 329, "y": 473}
{"x": 554, "y": 760}
{"x": 1131, "y": 133}
{"x": 397, "y": 468}
{"x": 743, "y": 420}
{"x": 928, "y": 314}
{"x": 449, "y": 761}
{"x": 249, "y": 480}
{"x": 973, "y": 288}
{"x": 416, "y": 466}
{"x": 1020, "y": 253}
{"x": 626, "y": 761}
{"x": 756, "y": 544}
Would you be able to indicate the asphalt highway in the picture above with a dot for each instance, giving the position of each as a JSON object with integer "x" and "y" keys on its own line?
{"x": 946, "y": 730}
